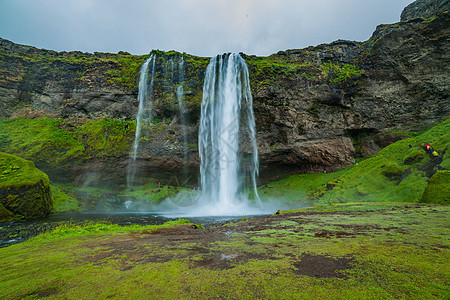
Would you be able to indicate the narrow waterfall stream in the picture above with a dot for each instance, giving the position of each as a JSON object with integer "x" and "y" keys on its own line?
{"x": 183, "y": 121}
{"x": 143, "y": 115}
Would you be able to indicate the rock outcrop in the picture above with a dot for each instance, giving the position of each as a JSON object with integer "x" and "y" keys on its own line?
{"x": 424, "y": 9}
{"x": 315, "y": 108}
{"x": 24, "y": 190}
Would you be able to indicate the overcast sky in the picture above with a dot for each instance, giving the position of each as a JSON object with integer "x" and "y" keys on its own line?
{"x": 199, "y": 27}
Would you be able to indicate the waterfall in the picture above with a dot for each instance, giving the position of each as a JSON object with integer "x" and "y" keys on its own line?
{"x": 144, "y": 113}
{"x": 180, "y": 98}
{"x": 225, "y": 133}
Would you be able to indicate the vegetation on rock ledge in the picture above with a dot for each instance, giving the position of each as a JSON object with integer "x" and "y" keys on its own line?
{"x": 55, "y": 143}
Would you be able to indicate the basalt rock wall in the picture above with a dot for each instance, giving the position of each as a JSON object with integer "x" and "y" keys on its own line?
{"x": 315, "y": 108}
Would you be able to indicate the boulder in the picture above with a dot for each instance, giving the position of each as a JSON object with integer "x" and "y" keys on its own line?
{"x": 438, "y": 189}
{"x": 24, "y": 190}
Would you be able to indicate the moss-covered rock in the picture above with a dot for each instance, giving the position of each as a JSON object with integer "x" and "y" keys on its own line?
{"x": 391, "y": 170}
{"x": 438, "y": 189}
{"x": 24, "y": 190}
{"x": 414, "y": 156}
{"x": 6, "y": 215}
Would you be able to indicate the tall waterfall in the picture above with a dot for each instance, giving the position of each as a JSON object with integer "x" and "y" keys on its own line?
{"x": 144, "y": 112}
{"x": 226, "y": 132}
{"x": 180, "y": 98}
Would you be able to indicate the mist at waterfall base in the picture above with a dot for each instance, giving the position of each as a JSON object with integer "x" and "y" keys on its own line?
{"x": 226, "y": 141}
{"x": 227, "y": 146}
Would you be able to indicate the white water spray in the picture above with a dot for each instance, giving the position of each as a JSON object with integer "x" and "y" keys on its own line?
{"x": 224, "y": 172}
{"x": 144, "y": 112}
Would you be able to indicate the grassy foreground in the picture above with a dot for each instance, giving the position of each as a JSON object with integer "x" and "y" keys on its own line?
{"x": 345, "y": 251}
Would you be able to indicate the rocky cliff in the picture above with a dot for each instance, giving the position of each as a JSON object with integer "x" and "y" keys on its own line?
{"x": 315, "y": 108}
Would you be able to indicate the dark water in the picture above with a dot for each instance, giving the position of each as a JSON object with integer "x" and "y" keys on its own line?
{"x": 19, "y": 231}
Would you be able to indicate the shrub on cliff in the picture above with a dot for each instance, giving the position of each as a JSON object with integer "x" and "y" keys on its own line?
{"x": 24, "y": 190}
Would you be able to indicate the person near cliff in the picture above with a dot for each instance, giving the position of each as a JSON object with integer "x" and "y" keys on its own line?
{"x": 431, "y": 151}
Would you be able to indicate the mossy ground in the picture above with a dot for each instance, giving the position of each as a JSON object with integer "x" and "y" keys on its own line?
{"x": 398, "y": 173}
{"x": 63, "y": 201}
{"x": 69, "y": 198}
{"x": 351, "y": 251}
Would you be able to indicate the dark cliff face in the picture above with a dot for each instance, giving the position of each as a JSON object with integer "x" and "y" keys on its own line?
{"x": 349, "y": 95}
{"x": 424, "y": 9}
{"x": 315, "y": 108}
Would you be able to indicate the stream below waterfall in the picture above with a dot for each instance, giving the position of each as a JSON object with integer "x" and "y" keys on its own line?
{"x": 14, "y": 232}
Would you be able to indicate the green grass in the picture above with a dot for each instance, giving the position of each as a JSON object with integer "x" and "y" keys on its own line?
{"x": 395, "y": 251}
{"x": 300, "y": 189}
{"x": 63, "y": 201}
{"x": 151, "y": 193}
{"x": 66, "y": 231}
{"x": 69, "y": 198}
{"x": 374, "y": 179}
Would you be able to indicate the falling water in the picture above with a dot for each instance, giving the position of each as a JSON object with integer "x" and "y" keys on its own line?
{"x": 180, "y": 98}
{"x": 144, "y": 113}
{"x": 224, "y": 172}
{"x": 168, "y": 74}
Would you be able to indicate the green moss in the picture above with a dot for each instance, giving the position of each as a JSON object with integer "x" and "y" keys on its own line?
{"x": 379, "y": 178}
{"x": 24, "y": 190}
{"x": 41, "y": 140}
{"x": 6, "y": 215}
{"x": 414, "y": 156}
{"x": 151, "y": 193}
{"x": 438, "y": 189}
{"x": 55, "y": 143}
{"x": 14, "y": 171}
{"x": 339, "y": 73}
{"x": 391, "y": 170}
{"x": 63, "y": 202}
{"x": 106, "y": 138}
{"x": 127, "y": 75}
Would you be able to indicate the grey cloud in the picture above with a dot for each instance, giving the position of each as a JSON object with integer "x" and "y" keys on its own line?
{"x": 200, "y": 27}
